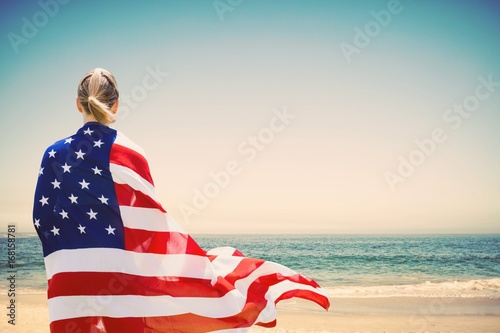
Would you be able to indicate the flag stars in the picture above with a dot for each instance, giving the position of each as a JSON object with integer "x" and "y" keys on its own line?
{"x": 66, "y": 168}
{"x": 73, "y": 198}
{"x": 97, "y": 171}
{"x": 68, "y": 140}
{"x": 56, "y": 184}
{"x": 103, "y": 200}
{"x": 41, "y": 171}
{"x": 98, "y": 143}
{"x": 44, "y": 201}
{"x": 64, "y": 214}
{"x": 82, "y": 229}
{"x": 92, "y": 214}
{"x": 52, "y": 153}
{"x": 110, "y": 230}
{"x": 37, "y": 223}
{"x": 84, "y": 184}
{"x": 55, "y": 230}
{"x": 88, "y": 131}
{"x": 79, "y": 154}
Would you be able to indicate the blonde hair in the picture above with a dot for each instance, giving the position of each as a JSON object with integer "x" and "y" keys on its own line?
{"x": 97, "y": 92}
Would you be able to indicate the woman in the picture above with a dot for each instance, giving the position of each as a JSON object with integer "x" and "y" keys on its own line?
{"x": 116, "y": 261}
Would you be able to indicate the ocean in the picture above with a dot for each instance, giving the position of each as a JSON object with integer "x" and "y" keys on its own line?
{"x": 346, "y": 265}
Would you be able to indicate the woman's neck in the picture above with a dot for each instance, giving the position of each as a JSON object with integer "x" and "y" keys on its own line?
{"x": 88, "y": 117}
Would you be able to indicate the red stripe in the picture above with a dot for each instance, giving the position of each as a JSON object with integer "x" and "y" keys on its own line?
{"x": 321, "y": 300}
{"x": 237, "y": 253}
{"x": 244, "y": 268}
{"x": 186, "y": 323}
{"x": 77, "y": 283}
{"x": 267, "y": 325}
{"x": 147, "y": 241}
{"x": 131, "y": 159}
{"x": 127, "y": 196}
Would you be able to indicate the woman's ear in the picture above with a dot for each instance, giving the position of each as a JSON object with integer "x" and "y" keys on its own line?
{"x": 79, "y": 106}
{"x": 114, "y": 107}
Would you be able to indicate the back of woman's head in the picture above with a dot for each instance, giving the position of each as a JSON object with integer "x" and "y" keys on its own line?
{"x": 97, "y": 92}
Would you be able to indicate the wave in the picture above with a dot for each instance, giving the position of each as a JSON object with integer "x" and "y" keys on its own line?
{"x": 483, "y": 288}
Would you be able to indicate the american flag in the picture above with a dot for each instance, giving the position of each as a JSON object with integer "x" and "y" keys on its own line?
{"x": 117, "y": 262}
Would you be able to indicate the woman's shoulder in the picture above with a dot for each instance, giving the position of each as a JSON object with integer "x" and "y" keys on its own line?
{"x": 60, "y": 144}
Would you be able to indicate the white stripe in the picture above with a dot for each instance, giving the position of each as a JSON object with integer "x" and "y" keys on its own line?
{"x": 222, "y": 251}
{"x": 268, "y": 267}
{"x": 124, "y": 141}
{"x": 122, "y": 261}
{"x": 268, "y": 314}
{"x": 148, "y": 219}
{"x": 144, "y": 306}
{"x": 124, "y": 175}
{"x": 223, "y": 266}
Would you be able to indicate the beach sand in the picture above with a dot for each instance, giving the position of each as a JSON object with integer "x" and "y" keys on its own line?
{"x": 347, "y": 315}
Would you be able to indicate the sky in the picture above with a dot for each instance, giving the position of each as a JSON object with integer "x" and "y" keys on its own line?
{"x": 271, "y": 116}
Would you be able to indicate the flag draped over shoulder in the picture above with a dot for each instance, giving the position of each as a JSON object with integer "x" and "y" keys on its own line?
{"x": 116, "y": 261}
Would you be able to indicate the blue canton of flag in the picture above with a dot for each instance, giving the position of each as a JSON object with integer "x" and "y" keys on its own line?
{"x": 75, "y": 201}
